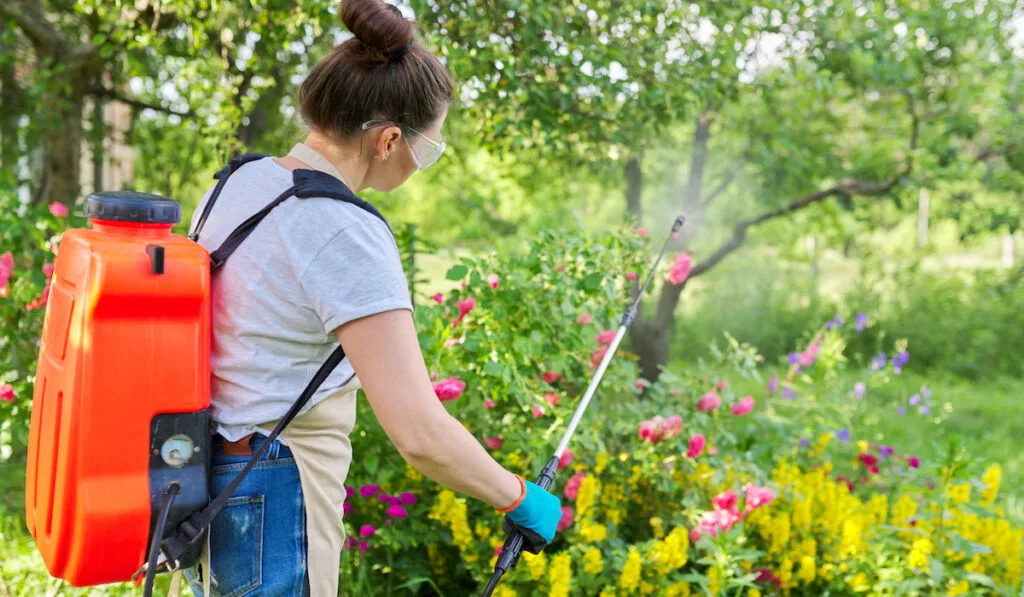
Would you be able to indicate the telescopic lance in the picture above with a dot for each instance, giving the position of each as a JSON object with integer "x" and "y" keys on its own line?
{"x": 513, "y": 545}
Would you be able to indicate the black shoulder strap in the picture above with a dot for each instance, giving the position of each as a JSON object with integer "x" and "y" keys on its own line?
{"x": 191, "y": 530}
{"x": 222, "y": 177}
{"x": 307, "y": 184}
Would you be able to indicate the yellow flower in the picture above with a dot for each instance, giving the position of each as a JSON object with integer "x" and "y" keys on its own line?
{"x": 630, "y": 577}
{"x": 536, "y": 563}
{"x": 592, "y": 532}
{"x": 670, "y": 554}
{"x": 959, "y": 588}
{"x": 560, "y": 575}
{"x": 860, "y": 582}
{"x": 657, "y": 527}
{"x": 601, "y": 462}
{"x": 753, "y": 593}
{"x": 714, "y": 581}
{"x": 585, "y": 497}
{"x": 862, "y": 446}
{"x": 623, "y": 456}
{"x": 959, "y": 493}
{"x": 482, "y": 530}
{"x": 412, "y": 474}
{"x": 802, "y": 515}
{"x": 679, "y": 589}
{"x": 647, "y": 588}
{"x": 807, "y": 570}
{"x": 991, "y": 479}
{"x": 780, "y": 533}
{"x": 919, "y": 552}
{"x": 786, "y": 573}
{"x": 505, "y": 591}
{"x": 852, "y": 541}
{"x": 607, "y": 592}
{"x": 614, "y": 516}
{"x": 592, "y": 561}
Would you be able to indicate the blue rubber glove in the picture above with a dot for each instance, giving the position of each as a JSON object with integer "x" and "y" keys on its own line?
{"x": 538, "y": 515}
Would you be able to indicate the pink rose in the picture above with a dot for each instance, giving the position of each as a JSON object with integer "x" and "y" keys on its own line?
{"x": 726, "y": 500}
{"x": 550, "y": 376}
{"x": 494, "y": 443}
{"x": 680, "y": 269}
{"x": 565, "y": 460}
{"x": 449, "y": 389}
{"x": 584, "y": 319}
{"x": 493, "y": 280}
{"x": 572, "y": 486}
{"x": 439, "y": 298}
{"x": 709, "y": 402}
{"x": 552, "y": 398}
{"x": 566, "y": 520}
{"x": 697, "y": 444}
{"x": 606, "y": 337}
{"x": 58, "y": 209}
{"x": 631, "y": 275}
{"x": 538, "y": 411}
{"x": 7, "y": 392}
{"x": 758, "y": 496}
{"x": 641, "y": 232}
{"x": 744, "y": 406}
{"x": 488, "y": 403}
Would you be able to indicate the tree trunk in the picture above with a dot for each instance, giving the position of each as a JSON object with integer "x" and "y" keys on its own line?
{"x": 634, "y": 189}
{"x": 651, "y": 337}
{"x": 11, "y": 106}
{"x": 62, "y": 154}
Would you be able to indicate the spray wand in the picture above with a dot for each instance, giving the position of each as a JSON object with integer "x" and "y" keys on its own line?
{"x": 513, "y": 546}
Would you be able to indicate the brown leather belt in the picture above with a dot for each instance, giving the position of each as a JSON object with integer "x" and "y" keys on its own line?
{"x": 239, "y": 448}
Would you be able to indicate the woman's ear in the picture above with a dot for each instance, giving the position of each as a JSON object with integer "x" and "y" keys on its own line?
{"x": 387, "y": 143}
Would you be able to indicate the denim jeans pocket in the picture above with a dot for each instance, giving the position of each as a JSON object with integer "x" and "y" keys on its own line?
{"x": 237, "y": 572}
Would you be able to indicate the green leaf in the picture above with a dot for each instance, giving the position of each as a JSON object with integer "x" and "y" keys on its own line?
{"x": 457, "y": 272}
{"x": 593, "y": 281}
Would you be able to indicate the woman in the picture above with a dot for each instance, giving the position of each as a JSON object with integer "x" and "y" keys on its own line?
{"x": 313, "y": 273}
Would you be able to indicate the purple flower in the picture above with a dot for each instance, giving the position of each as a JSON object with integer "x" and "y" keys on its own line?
{"x": 885, "y": 452}
{"x": 369, "y": 490}
{"x": 843, "y": 435}
{"x": 901, "y": 410}
{"x": 924, "y": 410}
{"x": 834, "y": 323}
{"x": 351, "y": 542}
{"x": 926, "y": 392}
{"x": 861, "y": 321}
{"x": 349, "y": 491}
{"x": 367, "y": 530}
{"x": 859, "y": 389}
{"x": 773, "y": 384}
{"x": 793, "y": 358}
{"x": 396, "y": 512}
{"x": 804, "y": 443}
{"x": 363, "y": 546}
{"x": 878, "y": 362}
{"x": 788, "y": 393}
{"x": 408, "y": 498}
{"x": 384, "y": 497}
{"x": 900, "y": 361}
{"x": 347, "y": 508}
{"x": 915, "y": 399}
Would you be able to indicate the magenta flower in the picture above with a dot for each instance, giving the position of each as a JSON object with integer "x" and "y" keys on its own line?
{"x": 572, "y": 486}
{"x": 494, "y": 443}
{"x": 347, "y": 508}
{"x": 493, "y": 280}
{"x": 488, "y": 403}
{"x": 408, "y": 498}
{"x": 697, "y": 444}
{"x": 725, "y": 501}
{"x": 449, "y": 389}
{"x": 369, "y": 490}
{"x": 538, "y": 411}
{"x": 58, "y": 209}
{"x": 915, "y": 462}
{"x": 631, "y": 275}
{"x": 744, "y": 406}
{"x": 464, "y": 306}
{"x": 367, "y": 530}
{"x": 680, "y": 269}
{"x": 565, "y": 460}
{"x": 605, "y": 337}
{"x": 439, "y": 298}
{"x": 584, "y": 319}
{"x": 566, "y": 520}
{"x": 709, "y": 402}
{"x": 349, "y": 491}
{"x": 6, "y": 269}
{"x": 396, "y": 511}
{"x": 363, "y": 546}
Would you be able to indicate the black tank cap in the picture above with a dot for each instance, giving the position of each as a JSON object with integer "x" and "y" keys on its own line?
{"x": 132, "y": 206}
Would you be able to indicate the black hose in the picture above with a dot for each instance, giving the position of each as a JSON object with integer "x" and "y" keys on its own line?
{"x": 493, "y": 584}
{"x": 158, "y": 534}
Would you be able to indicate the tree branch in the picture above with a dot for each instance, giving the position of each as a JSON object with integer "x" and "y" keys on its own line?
{"x": 28, "y": 16}
{"x": 111, "y": 94}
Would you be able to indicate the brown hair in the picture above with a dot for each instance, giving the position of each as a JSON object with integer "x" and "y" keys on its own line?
{"x": 381, "y": 73}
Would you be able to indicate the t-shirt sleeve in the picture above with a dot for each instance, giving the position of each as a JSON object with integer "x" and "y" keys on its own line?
{"x": 356, "y": 274}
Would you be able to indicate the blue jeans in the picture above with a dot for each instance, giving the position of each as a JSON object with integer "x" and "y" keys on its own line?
{"x": 258, "y": 541}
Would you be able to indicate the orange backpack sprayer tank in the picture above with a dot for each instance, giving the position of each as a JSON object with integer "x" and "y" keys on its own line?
{"x": 122, "y": 385}
{"x": 118, "y": 473}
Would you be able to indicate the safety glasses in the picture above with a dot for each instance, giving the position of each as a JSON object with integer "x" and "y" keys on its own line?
{"x": 425, "y": 151}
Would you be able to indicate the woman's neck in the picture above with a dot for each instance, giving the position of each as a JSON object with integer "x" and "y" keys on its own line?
{"x": 346, "y": 158}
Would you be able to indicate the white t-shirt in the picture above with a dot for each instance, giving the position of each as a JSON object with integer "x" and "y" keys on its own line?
{"x": 310, "y": 266}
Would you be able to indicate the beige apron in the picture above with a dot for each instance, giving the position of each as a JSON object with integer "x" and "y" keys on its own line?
{"x": 319, "y": 442}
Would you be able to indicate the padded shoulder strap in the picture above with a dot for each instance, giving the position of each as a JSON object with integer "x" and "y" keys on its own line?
{"x": 222, "y": 177}
{"x": 306, "y": 184}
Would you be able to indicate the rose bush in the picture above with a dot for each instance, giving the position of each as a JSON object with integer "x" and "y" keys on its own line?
{"x": 684, "y": 486}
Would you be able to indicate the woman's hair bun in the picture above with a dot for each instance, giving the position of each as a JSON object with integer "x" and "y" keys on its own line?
{"x": 377, "y": 24}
